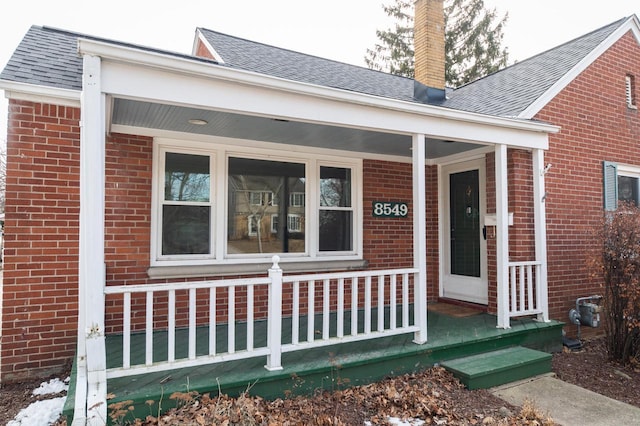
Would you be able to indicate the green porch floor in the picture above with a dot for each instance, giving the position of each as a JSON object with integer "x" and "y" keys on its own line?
{"x": 329, "y": 367}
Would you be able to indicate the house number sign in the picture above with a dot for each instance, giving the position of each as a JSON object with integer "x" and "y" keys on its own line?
{"x": 390, "y": 209}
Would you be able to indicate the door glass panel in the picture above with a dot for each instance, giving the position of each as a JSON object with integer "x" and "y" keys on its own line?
{"x": 464, "y": 210}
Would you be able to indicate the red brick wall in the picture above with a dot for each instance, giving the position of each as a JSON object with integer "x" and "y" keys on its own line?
{"x": 41, "y": 243}
{"x": 596, "y": 126}
{"x": 39, "y": 317}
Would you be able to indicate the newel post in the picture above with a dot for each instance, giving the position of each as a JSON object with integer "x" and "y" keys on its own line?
{"x": 274, "y": 321}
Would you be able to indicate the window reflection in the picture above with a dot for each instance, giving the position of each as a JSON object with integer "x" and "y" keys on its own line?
{"x": 256, "y": 188}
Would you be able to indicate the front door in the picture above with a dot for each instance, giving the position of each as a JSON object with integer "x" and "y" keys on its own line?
{"x": 465, "y": 247}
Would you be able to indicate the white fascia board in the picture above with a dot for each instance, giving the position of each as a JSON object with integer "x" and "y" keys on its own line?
{"x": 35, "y": 93}
{"x": 138, "y": 74}
{"x": 632, "y": 24}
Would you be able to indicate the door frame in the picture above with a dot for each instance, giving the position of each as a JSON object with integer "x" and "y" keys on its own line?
{"x": 481, "y": 294}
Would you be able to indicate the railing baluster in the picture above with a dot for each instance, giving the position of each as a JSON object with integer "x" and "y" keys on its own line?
{"x": 405, "y": 300}
{"x": 192, "y": 323}
{"x": 512, "y": 284}
{"x": 231, "y": 326}
{"x": 340, "y": 313}
{"x": 354, "y": 306}
{"x": 295, "y": 322}
{"x": 530, "y": 305}
{"x": 250, "y": 318}
{"x": 148, "y": 357}
{"x": 126, "y": 331}
{"x": 392, "y": 302}
{"x": 171, "y": 338}
{"x": 212, "y": 321}
{"x": 381, "y": 303}
{"x": 311, "y": 311}
{"x": 523, "y": 291}
{"x": 325, "y": 309}
{"x": 367, "y": 305}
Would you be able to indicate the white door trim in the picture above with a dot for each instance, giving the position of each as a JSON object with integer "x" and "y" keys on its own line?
{"x": 446, "y": 280}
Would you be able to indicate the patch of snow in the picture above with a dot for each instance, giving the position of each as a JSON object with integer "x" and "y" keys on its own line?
{"x": 40, "y": 413}
{"x": 52, "y": 387}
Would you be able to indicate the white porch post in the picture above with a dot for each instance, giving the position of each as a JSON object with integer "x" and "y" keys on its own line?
{"x": 274, "y": 320}
{"x": 502, "y": 236}
{"x": 419, "y": 238}
{"x": 540, "y": 227}
{"x": 91, "y": 257}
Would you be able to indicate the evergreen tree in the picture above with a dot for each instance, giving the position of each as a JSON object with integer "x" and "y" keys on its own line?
{"x": 473, "y": 41}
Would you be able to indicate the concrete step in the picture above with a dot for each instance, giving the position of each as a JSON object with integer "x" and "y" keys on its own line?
{"x": 502, "y": 366}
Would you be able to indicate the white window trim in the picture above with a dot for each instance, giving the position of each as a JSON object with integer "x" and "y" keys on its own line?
{"x": 219, "y": 154}
{"x": 157, "y": 201}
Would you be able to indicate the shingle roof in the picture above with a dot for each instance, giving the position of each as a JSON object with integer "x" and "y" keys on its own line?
{"x": 48, "y": 57}
{"x": 510, "y": 91}
{"x": 258, "y": 57}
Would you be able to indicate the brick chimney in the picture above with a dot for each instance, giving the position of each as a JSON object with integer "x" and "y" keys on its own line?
{"x": 428, "y": 40}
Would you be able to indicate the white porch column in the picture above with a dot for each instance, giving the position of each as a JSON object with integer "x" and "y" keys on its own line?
{"x": 91, "y": 283}
{"x": 420, "y": 237}
{"x": 502, "y": 236}
{"x": 540, "y": 229}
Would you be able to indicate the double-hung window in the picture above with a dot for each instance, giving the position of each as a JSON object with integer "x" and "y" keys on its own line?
{"x": 186, "y": 205}
{"x": 217, "y": 204}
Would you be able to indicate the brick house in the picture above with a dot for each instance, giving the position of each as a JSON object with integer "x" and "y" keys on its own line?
{"x": 134, "y": 173}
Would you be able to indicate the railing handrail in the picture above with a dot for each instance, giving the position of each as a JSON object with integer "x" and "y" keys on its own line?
{"x": 348, "y": 274}
{"x": 186, "y": 285}
{"x": 525, "y": 263}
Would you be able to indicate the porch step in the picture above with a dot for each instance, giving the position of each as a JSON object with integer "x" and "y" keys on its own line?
{"x": 495, "y": 368}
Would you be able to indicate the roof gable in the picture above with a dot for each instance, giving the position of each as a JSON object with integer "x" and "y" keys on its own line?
{"x": 522, "y": 89}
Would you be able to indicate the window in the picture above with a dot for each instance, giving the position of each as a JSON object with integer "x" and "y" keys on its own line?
{"x": 258, "y": 181}
{"x": 186, "y": 205}
{"x": 296, "y": 199}
{"x": 630, "y": 91}
{"x": 336, "y": 209}
{"x": 217, "y": 203}
{"x": 621, "y": 184}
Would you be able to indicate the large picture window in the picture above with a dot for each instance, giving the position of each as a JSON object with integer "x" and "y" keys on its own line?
{"x": 272, "y": 181}
{"x": 215, "y": 206}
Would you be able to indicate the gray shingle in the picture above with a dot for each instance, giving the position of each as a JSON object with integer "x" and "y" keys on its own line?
{"x": 261, "y": 58}
{"x": 46, "y": 57}
{"x": 510, "y": 91}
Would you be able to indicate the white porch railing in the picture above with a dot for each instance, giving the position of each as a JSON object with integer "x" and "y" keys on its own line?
{"x": 332, "y": 308}
{"x": 525, "y": 287}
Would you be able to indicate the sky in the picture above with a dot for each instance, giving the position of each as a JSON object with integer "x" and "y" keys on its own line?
{"x": 336, "y": 29}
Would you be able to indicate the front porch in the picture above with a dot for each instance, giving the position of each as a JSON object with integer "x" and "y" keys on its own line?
{"x": 451, "y": 336}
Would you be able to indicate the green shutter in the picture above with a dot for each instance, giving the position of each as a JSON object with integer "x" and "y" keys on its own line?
{"x": 610, "y": 179}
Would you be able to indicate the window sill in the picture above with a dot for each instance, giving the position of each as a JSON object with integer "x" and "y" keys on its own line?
{"x": 192, "y": 271}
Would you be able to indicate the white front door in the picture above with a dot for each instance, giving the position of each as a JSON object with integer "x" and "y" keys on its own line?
{"x": 465, "y": 245}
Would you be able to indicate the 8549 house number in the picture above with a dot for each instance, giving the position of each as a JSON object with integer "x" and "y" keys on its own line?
{"x": 390, "y": 209}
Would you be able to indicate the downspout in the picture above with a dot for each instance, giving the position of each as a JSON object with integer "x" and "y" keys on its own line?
{"x": 540, "y": 228}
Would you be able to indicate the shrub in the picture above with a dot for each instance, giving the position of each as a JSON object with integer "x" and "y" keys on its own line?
{"x": 617, "y": 262}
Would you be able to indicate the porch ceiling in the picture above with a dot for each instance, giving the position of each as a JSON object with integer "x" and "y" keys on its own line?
{"x": 135, "y": 113}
